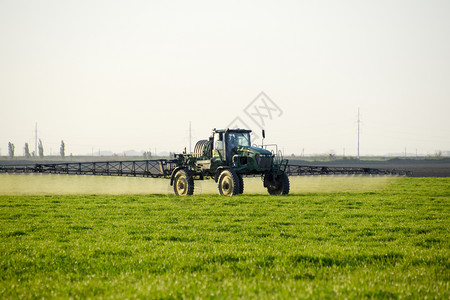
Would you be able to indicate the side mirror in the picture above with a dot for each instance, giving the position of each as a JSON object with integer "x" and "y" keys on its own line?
{"x": 263, "y": 134}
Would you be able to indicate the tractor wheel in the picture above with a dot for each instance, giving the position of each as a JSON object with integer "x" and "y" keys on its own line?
{"x": 229, "y": 183}
{"x": 183, "y": 183}
{"x": 277, "y": 185}
{"x": 241, "y": 184}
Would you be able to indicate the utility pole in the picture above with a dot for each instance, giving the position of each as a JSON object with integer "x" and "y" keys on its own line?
{"x": 35, "y": 139}
{"x": 359, "y": 122}
{"x": 190, "y": 138}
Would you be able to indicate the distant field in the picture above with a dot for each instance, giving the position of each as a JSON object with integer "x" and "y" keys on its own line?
{"x": 389, "y": 239}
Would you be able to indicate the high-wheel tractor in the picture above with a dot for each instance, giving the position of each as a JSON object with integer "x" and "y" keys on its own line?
{"x": 227, "y": 156}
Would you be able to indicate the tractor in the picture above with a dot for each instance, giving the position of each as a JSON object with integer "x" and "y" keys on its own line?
{"x": 227, "y": 156}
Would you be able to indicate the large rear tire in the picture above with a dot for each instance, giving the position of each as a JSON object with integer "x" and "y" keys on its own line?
{"x": 277, "y": 185}
{"x": 229, "y": 183}
{"x": 183, "y": 183}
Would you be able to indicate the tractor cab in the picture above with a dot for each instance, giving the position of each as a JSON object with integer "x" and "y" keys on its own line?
{"x": 232, "y": 147}
{"x": 227, "y": 141}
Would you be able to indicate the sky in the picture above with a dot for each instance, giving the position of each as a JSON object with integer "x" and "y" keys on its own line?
{"x": 121, "y": 75}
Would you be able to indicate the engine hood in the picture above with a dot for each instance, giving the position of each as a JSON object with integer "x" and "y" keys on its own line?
{"x": 255, "y": 150}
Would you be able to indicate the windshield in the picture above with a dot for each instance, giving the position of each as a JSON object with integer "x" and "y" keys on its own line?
{"x": 236, "y": 139}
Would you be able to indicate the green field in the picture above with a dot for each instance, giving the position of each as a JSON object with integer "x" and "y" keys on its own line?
{"x": 387, "y": 240}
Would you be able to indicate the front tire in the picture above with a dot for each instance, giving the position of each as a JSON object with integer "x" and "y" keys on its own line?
{"x": 277, "y": 185}
{"x": 229, "y": 183}
{"x": 183, "y": 183}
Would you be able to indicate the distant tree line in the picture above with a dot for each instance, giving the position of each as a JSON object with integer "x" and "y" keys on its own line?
{"x": 147, "y": 155}
{"x": 62, "y": 149}
{"x": 40, "y": 149}
{"x": 26, "y": 150}
{"x": 11, "y": 149}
